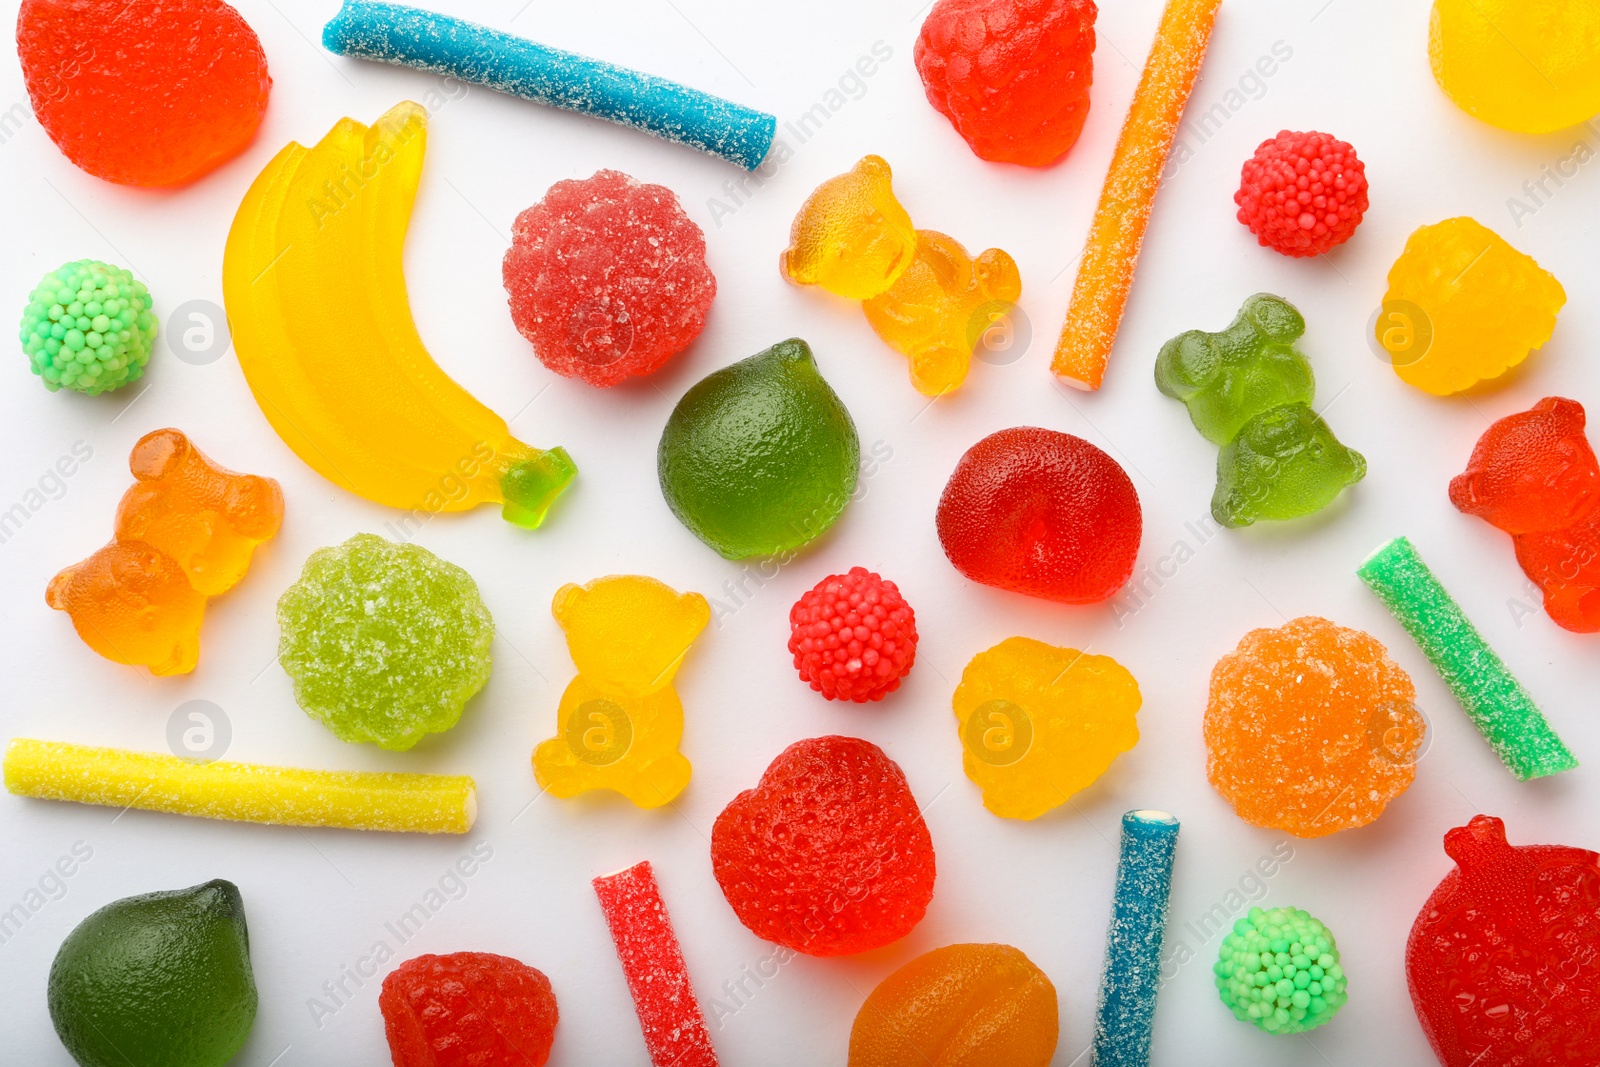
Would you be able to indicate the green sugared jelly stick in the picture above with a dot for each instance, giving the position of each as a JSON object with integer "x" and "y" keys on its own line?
{"x": 1494, "y": 700}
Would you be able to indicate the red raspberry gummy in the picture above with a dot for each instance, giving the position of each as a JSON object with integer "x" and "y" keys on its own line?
{"x": 143, "y": 92}
{"x": 1041, "y": 513}
{"x": 1302, "y": 193}
{"x": 1012, "y": 76}
{"x": 828, "y": 854}
{"x": 607, "y": 278}
{"x": 853, "y": 636}
{"x": 468, "y": 1009}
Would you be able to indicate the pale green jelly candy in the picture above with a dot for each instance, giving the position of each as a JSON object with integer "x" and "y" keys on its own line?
{"x": 1279, "y": 970}
{"x": 384, "y": 642}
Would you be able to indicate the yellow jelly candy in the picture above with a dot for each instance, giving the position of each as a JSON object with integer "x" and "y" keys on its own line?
{"x": 1464, "y": 306}
{"x": 1532, "y": 66}
{"x": 620, "y": 720}
{"x": 851, "y": 236}
{"x": 1038, "y": 723}
{"x": 942, "y": 307}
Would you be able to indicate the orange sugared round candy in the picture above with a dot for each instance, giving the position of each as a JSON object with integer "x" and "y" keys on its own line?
{"x": 1311, "y": 728}
{"x": 143, "y": 92}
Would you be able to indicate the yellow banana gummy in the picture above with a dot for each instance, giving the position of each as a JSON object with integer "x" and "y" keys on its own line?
{"x": 316, "y": 299}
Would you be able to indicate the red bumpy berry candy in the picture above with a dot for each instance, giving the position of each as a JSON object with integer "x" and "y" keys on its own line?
{"x": 1012, "y": 76}
{"x": 1042, "y": 513}
{"x": 607, "y": 278}
{"x": 1504, "y": 960}
{"x": 143, "y": 92}
{"x": 1302, "y": 193}
{"x": 853, "y": 636}
{"x": 828, "y": 854}
{"x": 468, "y": 1009}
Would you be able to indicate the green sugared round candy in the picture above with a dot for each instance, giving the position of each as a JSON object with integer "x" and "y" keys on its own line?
{"x": 1279, "y": 970}
{"x": 385, "y": 642}
{"x": 88, "y": 327}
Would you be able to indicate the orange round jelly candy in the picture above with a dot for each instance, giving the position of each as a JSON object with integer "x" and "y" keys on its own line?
{"x": 959, "y": 1006}
{"x": 1311, "y": 728}
{"x": 143, "y": 92}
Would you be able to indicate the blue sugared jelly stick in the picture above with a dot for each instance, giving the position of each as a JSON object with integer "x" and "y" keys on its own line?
{"x": 1132, "y": 974}
{"x": 409, "y": 37}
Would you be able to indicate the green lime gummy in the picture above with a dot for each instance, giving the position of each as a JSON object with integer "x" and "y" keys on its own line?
{"x": 1279, "y": 970}
{"x": 531, "y": 486}
{"x": 760, "y": 457}
{"x": 158, "y": 980}
{"x": 384, "y": 642}
{"x": 88, "y": 327}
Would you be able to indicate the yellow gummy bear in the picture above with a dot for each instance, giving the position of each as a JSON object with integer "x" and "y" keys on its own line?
{"x": 1464, "y": 306}
{"x": 851, "y": 236}
{"x": 620, "y": 720}
{"x": 1039, "y": 723}
{"x": 1531, "y": 66}
{"x": 942, "y": 306}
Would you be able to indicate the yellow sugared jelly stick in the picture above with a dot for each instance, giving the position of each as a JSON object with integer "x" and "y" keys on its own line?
{"x": 243, "y": 792}
{"x": 1105, "y": 273}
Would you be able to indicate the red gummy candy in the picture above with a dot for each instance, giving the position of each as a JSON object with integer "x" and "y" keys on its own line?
{"x": 828, "y": 854}
{"x": 143, "y": 92}
{"x": 1504, "y": 959}
{"x": 1534, "y": 475}
{"x": 607, "y": 278}
{"x": 1302, "y": 193}
{"x": 1012, "y": 76}
{"x": 1041, "y": 513}
{"x": 675, "y": 1032}
{"x": 853, "y": 636}
{"x": 468, "y": 1009}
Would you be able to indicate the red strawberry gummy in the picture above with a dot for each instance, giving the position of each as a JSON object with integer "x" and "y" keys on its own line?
{"x": 1041, "y": 513}
{"x": 853, "y": 636}
{"x": 1302, "y": 193}
{"x": 143, "y": 92}
{"x": 1504, "y": 959}
{"x": 607, "y": 278}
{"x": 828, "y": 854}
{"x": 1012, "y": 76}
{"x": 468, "y": 1009}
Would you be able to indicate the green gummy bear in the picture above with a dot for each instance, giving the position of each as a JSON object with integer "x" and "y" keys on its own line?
{"x": 1283, "y": 464}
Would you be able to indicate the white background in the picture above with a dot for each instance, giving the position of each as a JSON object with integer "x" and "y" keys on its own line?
{"x": 317, "y": 900}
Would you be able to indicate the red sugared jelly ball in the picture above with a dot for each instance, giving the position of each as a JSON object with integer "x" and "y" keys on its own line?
{"x": 1302, "y": 193}
{"x": 853, "y": 636}
{"x": 143, "y": 92}
{"x": 468, "y": 1009}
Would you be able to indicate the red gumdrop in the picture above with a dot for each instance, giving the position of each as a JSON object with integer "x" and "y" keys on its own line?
{"x": 468, "y": 1009}
{"x": 828, "y": 854}
{"x": 1504, "y": 959}
{"x": 1041, "y": 513}
{"x": 143, "y": 92}
{"x": 607, "y": 278}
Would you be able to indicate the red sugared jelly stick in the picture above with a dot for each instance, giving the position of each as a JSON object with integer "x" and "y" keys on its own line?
{"x": 674, "y": 1030}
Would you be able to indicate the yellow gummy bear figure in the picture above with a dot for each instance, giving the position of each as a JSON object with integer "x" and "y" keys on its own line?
{"x": 1464, "y": 306}
{"x": 851, "y": 236}
{"x": 1531, "y": 66}
{"x": 944, "y": 304}
{"x": 620, "y": 720}
{"x": 1039, "y": 723}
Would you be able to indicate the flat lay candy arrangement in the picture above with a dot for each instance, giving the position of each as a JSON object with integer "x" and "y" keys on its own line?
{"x": 1016, "y": 590}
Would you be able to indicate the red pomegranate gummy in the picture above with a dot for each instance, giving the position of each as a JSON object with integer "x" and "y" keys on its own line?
{"x": 853, "y": 636}
{"x": 468, "y": 1009}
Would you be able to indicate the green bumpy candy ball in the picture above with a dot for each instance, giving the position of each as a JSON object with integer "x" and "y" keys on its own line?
{"x": 384, "y": 642}
{"x": 88, "y": 327}
{"x": 1279, "y": 970}
{"x": 760, "y": 457}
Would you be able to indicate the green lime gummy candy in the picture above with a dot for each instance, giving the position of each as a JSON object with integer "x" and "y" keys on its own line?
{"x": 1279, "y": 970}
{"x": 760, "y": 457}
{"x": 158, "y": 980}
{"x": 384, "y": 642}
{"x": 88, "y": 327}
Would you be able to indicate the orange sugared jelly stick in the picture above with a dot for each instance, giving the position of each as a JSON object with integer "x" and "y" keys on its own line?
{"x": 1106, "y": 270}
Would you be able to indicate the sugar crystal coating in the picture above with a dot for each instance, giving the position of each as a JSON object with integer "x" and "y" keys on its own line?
{"x": 1132, "y": 975}
{"x": 468, "y": 1009}
{"x": 88, "y": 327}
{"x": 1279, "y": 971}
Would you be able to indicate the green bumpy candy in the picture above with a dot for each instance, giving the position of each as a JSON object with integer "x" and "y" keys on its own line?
{"x": 1279, "y": 970}
{"x": 1249, "y": 390}
{"x": 384, "y": 642}
{"x": 760, "y": 457}
{"x": 88, "y": 327}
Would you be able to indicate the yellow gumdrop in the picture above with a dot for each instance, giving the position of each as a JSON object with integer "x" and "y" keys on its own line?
{"x": 1039, "y": 723}
{"x": 1464, "y": 306}
{"x": 1531, "y": 66}
{"x": 851, "y": 236}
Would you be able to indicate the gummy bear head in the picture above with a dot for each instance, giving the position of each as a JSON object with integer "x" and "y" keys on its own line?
{"x": 133, "y": 605}
{"x": 628, "y": 633}
{"x": 1284, "y": 464}
{"x": 851, "y": 235}
{"x": 1531, "y": 471}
